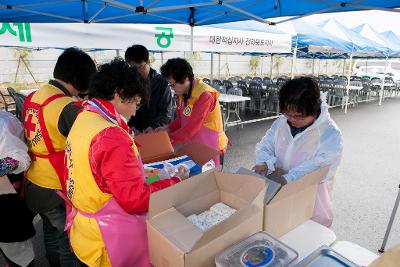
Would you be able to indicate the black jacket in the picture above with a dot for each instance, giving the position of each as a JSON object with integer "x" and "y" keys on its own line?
{"x": 16, "y": 220}
{"x": 158, "y": 111}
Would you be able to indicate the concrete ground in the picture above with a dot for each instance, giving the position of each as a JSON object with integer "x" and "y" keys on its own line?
{"x": 367, "y": 180}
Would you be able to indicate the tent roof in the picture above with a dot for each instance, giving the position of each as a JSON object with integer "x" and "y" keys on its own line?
{"x": 368, "y": 32}
{"x": 314, "y": 38}
{"x": 392, "y": 38}
{"x": 193, "y": 12}
{"x": 360, "y": 43}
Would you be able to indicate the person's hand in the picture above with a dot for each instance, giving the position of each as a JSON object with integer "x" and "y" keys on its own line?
{"x": 260, "y": 169}
{"x": 278, "y": 176}
{"x": 148, "y": 130}
{"x": 183, "y": 173}
{"x": 160, "y": 129}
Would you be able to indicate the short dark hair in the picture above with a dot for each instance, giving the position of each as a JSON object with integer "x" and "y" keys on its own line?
{"x": 137, "y": 54}
{"x": 75, "y": 67}
{"x": 300, "y": 95}
{"x": 177, "y": 68}
{"x": 118, "y": 77}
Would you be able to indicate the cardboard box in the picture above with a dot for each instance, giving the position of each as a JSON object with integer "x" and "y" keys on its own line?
{"x": 155, "y": 147}
{"x": 288, "y": 206}
{"x": 293, "y": 204}
{"x": 175, "y": 242}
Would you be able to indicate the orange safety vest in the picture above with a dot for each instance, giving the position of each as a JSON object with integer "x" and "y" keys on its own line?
{"x": 46, "y": 144}
{"x": 213, "y": 120}
{"x": 83, "y": 191}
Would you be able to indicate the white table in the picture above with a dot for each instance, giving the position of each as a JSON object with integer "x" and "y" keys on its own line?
{"x": 229, "y": 101}
{"x": 355, "y": 87}
{"x": 308, "y": 237}
{"x": 26, "y": 92}
{"x": 385, "y": 84}
{"x": 225, "y": 98}
{"x": 354, "y": 252}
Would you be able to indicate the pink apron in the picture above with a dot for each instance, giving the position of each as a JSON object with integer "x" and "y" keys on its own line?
{"x": 124, "y": 235}
{"x": 205, "y": 136}
{"x": 323, "y": 213}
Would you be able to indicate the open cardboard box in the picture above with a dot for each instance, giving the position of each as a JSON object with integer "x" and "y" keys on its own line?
{"x": 288, "y": 206}
{"x": 175, "y": 242}
{"x": 154, "y": 147}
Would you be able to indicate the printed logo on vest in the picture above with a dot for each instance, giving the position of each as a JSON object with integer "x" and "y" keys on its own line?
{"x": 70, "y": 164}
{"x": 187, "y": 111}
{"x": 32, "y": 129}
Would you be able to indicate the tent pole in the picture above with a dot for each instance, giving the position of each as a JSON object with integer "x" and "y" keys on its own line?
{"x": 191, "y": 47}
{"x": 313, "y": 66}
{"x": 294, "y": 58}
{"x": 271, "y": 67}
{"x": 348, "y": 82}
{"x": 219, "y": 66}
{"x": 344, "y": 66}
{"x": 261, "y": 68}
{"x": 212, "y": 66}
{"x": 191, "y": 39}
{"x": 381, "y": 95}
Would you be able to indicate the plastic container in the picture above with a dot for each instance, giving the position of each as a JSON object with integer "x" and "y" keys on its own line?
{"x": 326, "y": 257}
{"x": 259, "y": 250}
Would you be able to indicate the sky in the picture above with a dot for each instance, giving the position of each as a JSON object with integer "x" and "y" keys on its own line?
{"x": 379, "y": 20}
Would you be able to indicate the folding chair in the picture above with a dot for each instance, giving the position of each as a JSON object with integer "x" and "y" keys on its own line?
{"x": 8, "y": 102}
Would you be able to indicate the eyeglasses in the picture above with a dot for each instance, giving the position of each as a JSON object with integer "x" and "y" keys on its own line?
{"x": 136, "y": 101}
{"x": 294, "y": 117}
{"x": 172, "y": 84}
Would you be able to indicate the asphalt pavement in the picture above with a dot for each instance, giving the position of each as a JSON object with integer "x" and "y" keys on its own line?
{"x": 368, "y": 178}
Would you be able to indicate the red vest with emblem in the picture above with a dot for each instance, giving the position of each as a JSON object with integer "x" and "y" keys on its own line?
{"x": 46, "y": 144}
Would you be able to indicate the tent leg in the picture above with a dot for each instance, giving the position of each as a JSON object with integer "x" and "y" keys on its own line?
{"x": 348, "y": 83}
{"x": 313, "y": 66}
{"x": 381, "y": 95}
{"x": 271, "y": 66}
{"x": 212, "y": 66}
{"x": 219, "y": 66}
{"x": 294, "y": 60}
{"x": 389, "y": 227}
{"x": 344, "y": 66}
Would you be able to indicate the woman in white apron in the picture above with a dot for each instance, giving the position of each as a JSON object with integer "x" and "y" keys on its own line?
{"x": 303, "y": 139}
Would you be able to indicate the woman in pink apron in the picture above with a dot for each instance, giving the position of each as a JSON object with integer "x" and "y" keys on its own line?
{"x": 105, "y": 183}
{"x": 198, "y": 111}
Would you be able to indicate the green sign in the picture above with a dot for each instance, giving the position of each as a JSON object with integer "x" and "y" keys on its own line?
{"x": 22, "y": 30}
{"x": 164, "y": 36}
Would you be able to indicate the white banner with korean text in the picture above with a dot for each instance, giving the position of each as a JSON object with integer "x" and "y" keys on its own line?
{"x": 156, "y": 37}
